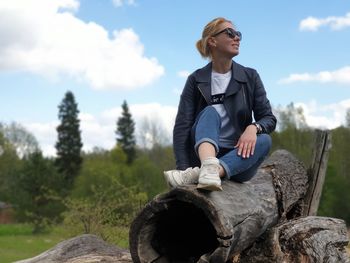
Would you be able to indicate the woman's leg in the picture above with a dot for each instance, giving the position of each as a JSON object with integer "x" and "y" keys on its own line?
{"x": 243, "y": 169}
{"x": 206, "y": 133}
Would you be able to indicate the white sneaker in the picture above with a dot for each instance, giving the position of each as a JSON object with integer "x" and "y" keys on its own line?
{"x": 209, "y": 178}
{"x": 176, "y": 178}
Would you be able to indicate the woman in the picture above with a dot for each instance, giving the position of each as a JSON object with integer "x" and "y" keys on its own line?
{"x": 214, "y": 127}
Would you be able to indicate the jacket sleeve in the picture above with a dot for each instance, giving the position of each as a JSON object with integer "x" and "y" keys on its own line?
{"x": 183, "y": 125}
{"x": 262, "y": 108}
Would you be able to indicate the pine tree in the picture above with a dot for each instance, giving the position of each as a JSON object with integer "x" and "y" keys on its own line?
{"x": 69, "y": 145}
{"x": 125, "y": 133}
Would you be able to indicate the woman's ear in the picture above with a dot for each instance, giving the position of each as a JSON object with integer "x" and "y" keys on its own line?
{"x": 212, "y": 42}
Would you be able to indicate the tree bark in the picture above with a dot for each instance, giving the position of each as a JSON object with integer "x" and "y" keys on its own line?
{"x": 187, "y": 225}
{"x": 82, "y": 249}
{"x": 308, "y": 239}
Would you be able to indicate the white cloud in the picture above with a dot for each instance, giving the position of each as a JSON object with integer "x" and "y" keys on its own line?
{"x": 119, "y": 3}
{"x": 44, "y": 37}
{"x": 99, "y": 130}
{"x": 183, "y": 73}
{"x": 339, "y": 76}
{"x": 327, "y": 116}
{"x": 335, "y": 23}
{"x": 177, "y": 91}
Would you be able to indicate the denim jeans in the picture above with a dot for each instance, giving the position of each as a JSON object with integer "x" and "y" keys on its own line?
{"x": 207, "y": 129}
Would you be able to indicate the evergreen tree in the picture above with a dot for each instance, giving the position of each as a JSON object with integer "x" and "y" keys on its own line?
{"x": 36, "y": 186}
{"x": 69, "y": 145}
{"x": 125, "y": 133}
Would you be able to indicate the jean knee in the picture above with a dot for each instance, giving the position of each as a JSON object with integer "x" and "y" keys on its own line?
{"x": 210, "y": 110}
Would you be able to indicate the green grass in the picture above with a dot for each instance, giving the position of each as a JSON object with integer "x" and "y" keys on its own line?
{"x": 17, "y": 242}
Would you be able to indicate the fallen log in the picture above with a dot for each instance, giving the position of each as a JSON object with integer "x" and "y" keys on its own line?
{"x": 309, "y": 239}
{"x": 187, "y": 225}
{"x": 82, "y": 249}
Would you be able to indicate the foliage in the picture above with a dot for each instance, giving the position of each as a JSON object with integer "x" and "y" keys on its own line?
{"x": 147, "y": 177}
{"x": 298, "y": 142}
{"x": 106, "y": 211}
{"x": 9, "y": 165}
{"x": 335, "y": 199}
{"x": 35, "y": 192}
{"x": 125, "y": 133}
{"x": 20, "y": 138}
{"x": 98, "y": 171}
{"x": 69, "y": 143}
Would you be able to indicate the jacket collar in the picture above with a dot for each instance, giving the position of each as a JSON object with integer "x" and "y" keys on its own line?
{"x": 204, "y": 74}
{"x": 203, "y": 78}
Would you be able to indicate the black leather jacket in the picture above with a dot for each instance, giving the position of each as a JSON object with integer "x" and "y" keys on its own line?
{"x": 245, "y": 94}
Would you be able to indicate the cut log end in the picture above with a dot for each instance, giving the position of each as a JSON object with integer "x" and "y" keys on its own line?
{"x": 172, "y": 230}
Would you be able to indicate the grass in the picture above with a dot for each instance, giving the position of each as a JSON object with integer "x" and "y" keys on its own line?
{"x": 17, "y": 241}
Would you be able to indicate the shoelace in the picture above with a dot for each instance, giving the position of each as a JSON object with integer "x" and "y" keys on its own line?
{"x": 212, "y": 168}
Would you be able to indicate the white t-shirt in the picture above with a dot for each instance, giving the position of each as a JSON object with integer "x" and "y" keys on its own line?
{"x": 219, "y": 83}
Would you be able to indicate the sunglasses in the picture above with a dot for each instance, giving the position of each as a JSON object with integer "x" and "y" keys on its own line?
{"x": 231, "y": 33}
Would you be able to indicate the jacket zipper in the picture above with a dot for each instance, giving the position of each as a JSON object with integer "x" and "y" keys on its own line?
{"x": 245, "y": 102}
{"x": 203, "y": 95}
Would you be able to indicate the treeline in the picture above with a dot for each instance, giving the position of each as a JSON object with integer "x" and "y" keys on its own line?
{"x": 99, "y": 191}
{"x": 93, "y": 192}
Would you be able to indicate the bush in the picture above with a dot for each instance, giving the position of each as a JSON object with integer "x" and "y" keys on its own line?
{"x": 107, "y": 212}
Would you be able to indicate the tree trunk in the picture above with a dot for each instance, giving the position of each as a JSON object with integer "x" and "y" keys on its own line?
{"x": 82, "y": 249}
{"x": 187, "y": 225}
{"x": 309, "y": 239}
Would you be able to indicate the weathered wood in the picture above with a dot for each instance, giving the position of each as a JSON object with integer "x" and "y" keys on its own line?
{"x": 187, "y": 225}
{"x": 309, "y": 239}
{"x": 317, "y": 172}
{"x": 82, "y": 249}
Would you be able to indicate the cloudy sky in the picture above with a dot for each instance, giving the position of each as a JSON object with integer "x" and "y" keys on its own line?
{"x": 141, "y": 51}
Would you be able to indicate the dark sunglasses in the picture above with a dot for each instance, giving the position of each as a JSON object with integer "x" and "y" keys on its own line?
{"x": 231, "y": 33}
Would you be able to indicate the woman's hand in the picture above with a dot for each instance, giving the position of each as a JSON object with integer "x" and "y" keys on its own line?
{"x": 247, "y": 141}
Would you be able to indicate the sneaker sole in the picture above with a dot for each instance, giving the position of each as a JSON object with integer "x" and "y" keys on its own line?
{"x": 210, "y": 187}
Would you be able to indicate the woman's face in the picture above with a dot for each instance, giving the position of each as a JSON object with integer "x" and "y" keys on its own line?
{"x": 227, "y": 42}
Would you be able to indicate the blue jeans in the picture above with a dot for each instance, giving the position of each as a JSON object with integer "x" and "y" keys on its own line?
{"x": 207, "y": 129}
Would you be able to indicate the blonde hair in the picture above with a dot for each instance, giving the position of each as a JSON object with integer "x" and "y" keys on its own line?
{"x": 210, "y": 29}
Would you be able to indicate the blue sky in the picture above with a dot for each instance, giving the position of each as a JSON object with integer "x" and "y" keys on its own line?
{"x": 107, "y": 51}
